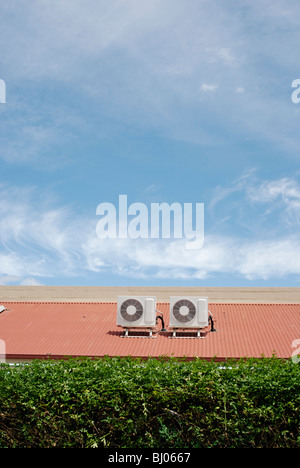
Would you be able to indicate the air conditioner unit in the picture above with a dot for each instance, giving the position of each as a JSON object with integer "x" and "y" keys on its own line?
{"x": 139, "y": 311}
{"x": 188, "y": 312}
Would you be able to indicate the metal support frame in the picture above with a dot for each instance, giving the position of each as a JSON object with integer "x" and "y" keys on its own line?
{"x": 198, "y": 334}
{"x": 126, "y": 334}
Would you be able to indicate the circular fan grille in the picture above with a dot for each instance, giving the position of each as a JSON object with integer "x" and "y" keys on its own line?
{"x": 131, "y": 310}
{"x": 184, "y": 310}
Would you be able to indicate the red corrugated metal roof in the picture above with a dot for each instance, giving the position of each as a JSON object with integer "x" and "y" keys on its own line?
{"x": 58, "y": 329}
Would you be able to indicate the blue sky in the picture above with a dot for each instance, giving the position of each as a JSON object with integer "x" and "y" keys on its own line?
{"x": 161, "y": 100}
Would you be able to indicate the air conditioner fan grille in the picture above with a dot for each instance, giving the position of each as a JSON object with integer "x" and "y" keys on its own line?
{"x": 177, "y": 311}
{"x": 131, "y": 317}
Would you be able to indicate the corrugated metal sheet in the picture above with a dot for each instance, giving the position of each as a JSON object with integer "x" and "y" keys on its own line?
{"x": 58, "y": 329}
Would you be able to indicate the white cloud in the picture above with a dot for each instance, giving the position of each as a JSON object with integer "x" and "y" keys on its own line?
{"x": 271, "y": 259}
{"x": 209, "y": 87}
{"x": 272, "y": 205}
{"x": 39, "y": 239}
{"x": 286, "y": 189}
{"x": 16, "y": 280}
{"x": 144, "y": 62}
{"x": 30, "y": 282}
{"x": 280, "y": 196}
{"x": 223, "y": 55}
{"x": 251, "y": 260}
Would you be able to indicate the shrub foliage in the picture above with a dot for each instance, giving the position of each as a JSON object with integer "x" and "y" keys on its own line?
{"x": 154, "y": 403}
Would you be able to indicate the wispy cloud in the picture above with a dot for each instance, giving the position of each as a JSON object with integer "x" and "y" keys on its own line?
{"x": 39, "y": 239}
{"x": 286, "y": 190}
{"x": 16, "y": 280}
{"x": 209, "y": 87}
{"x": 144, "y": 62}
{"x": 236, "y": 257}
{"x": 281, "y": 196}
{"x": 261, "y": 206}
{"x": 80, "y": 73}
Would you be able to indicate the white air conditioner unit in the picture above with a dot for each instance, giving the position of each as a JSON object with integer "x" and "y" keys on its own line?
{"x": 188, "y": 312}
{"x": 138, "y": 311}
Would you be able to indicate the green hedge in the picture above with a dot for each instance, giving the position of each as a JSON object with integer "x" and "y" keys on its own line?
{"x": 154, "y": 403}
